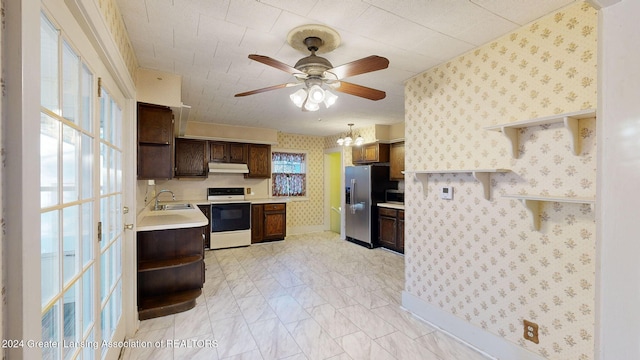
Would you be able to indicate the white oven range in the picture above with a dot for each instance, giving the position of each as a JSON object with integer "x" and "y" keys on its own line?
{"x": 230, "y": 218}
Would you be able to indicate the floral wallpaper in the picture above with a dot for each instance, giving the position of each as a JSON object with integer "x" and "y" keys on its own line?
{"x": 306, "y": 213}
{"x": 114, "y": 20}
{"x": 479, "y": 259}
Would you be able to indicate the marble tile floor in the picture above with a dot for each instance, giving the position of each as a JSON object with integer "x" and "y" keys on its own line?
{"x": 311, "y": 296}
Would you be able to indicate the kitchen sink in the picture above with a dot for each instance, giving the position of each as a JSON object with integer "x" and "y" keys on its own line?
{"x": 175, "y": 207}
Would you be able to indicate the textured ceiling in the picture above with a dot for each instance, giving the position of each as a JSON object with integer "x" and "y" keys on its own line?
{"x": 207, "y": 43}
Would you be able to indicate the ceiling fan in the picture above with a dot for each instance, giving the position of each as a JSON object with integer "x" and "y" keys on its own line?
{"x": 314, "y": 72}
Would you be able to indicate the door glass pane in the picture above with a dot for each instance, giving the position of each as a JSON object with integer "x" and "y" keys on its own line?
{"x": 104, "y": 274}
{"x": 118, "y": 170}
{"x": 70, "y": 241}
{"x": 87, "y": 299}
{"x": 104, "y": 219}
{"x": 49, "y": 255}
{"x": 87, "y": 233}
{"x": 49, "y": 66}
{"x": 104, "y": 169}
{"x": 112, "y": 170}
{"x": 105, "y": 111}
{"x": 71, "y": 319}
{"x": 70, "y": 163}
{"x": 114, "y": 221}
{"x": 51, "y": 332}
{"x": 70, "y": 83}
{"x": 88, "y": 353}
{"x": 87, "y": 166}
{"x": 117, "y": 124}
{"x": 87, "y": 105}
{"x": 49, "y": 160}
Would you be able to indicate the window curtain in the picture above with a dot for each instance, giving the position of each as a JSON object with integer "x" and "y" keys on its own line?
{"x": 289, "y": 178}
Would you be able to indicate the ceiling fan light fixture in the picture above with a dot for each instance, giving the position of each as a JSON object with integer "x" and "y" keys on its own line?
{"x": 316, "y": 94}
{"x": 311, "y": 106}
{"x": 329, "y": 98}
{"x": 298, "y": 97}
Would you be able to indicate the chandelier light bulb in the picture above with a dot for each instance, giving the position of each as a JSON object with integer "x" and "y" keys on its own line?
{"x": 347, "y": 141}
{"x": 340, "y": 141}
{"x": 359, "y": 140}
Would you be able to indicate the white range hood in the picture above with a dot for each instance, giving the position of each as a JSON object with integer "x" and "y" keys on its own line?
{"x": 226, "y": 168}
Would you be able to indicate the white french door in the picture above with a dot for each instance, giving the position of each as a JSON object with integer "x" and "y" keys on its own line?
{"x": 81, "y": 195}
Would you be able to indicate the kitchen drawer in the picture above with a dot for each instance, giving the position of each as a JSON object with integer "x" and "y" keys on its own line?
{"x": 274, "y": 207}
{"x": 387, "y": 212}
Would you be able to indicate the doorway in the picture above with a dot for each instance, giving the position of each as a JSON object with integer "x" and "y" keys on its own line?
{"x": 334, "y": 178}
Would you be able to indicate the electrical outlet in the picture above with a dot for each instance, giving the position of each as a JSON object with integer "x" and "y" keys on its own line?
{"x": 248, "y": 191}
{"x": 531, "y": 331}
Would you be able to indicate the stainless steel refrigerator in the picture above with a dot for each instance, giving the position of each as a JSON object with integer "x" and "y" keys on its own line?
{"x": 365, "y": 188}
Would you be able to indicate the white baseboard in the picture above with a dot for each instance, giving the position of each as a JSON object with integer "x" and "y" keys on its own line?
{"x": 482, "y": 340}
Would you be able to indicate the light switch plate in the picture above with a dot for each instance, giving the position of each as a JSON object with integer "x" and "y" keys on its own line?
{"x": 446, "y": 193}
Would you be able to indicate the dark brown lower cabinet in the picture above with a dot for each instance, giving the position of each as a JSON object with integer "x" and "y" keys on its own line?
{"x": 391, "y": 229}
{"x": 206, "y": 210}
{"x": 268, "y": 222}
{"x": 170, "y": 271}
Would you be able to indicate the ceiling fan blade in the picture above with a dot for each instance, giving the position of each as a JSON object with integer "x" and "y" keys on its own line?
{"x": 275, "y": 63}
{"x": 361, "y": 91}
{"x": 274, "y": 87}
{"x": 364, "y": 65}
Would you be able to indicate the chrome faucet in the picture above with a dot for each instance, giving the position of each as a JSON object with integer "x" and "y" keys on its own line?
{"x": 157, "y": 206}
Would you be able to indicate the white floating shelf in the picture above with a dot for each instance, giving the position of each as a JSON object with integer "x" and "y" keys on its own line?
{"x": 532, "y": 204}
{"x": 570, "y": 121}
{"x": 482, "y": 175}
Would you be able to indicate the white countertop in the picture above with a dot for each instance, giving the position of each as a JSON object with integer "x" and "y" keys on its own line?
{"x": 392, "y": 206}
{"x": 266, "y": 200}
{"x": 269, "y": 200}
{"x": 150, "y": 220}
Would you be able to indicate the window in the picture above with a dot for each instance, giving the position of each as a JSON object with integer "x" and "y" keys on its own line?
{"x": 289, "y": 175}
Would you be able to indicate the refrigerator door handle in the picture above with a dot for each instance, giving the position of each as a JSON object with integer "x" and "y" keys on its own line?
{"x": 355, "y": 205}
{"x": 352, "y": 207}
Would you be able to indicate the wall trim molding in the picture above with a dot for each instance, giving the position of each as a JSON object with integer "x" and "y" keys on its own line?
{"x": 475, "y": 337}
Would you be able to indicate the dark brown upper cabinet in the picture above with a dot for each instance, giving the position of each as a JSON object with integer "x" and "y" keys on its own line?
{"x": 155, "y": 142}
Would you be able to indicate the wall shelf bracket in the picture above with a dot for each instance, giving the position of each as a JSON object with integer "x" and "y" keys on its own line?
{"x": 483, "y": 176}
{"x": 569, "y": 120}
{"x": 532, "y": 204}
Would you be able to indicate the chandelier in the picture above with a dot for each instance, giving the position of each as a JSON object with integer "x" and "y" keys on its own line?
{"x": 310, "y": 98}
{"x": 348, "y": 139}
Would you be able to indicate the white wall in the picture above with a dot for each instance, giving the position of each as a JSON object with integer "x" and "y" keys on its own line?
{"x": 619, "y": 176}
{"x": 156, "y": 87}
